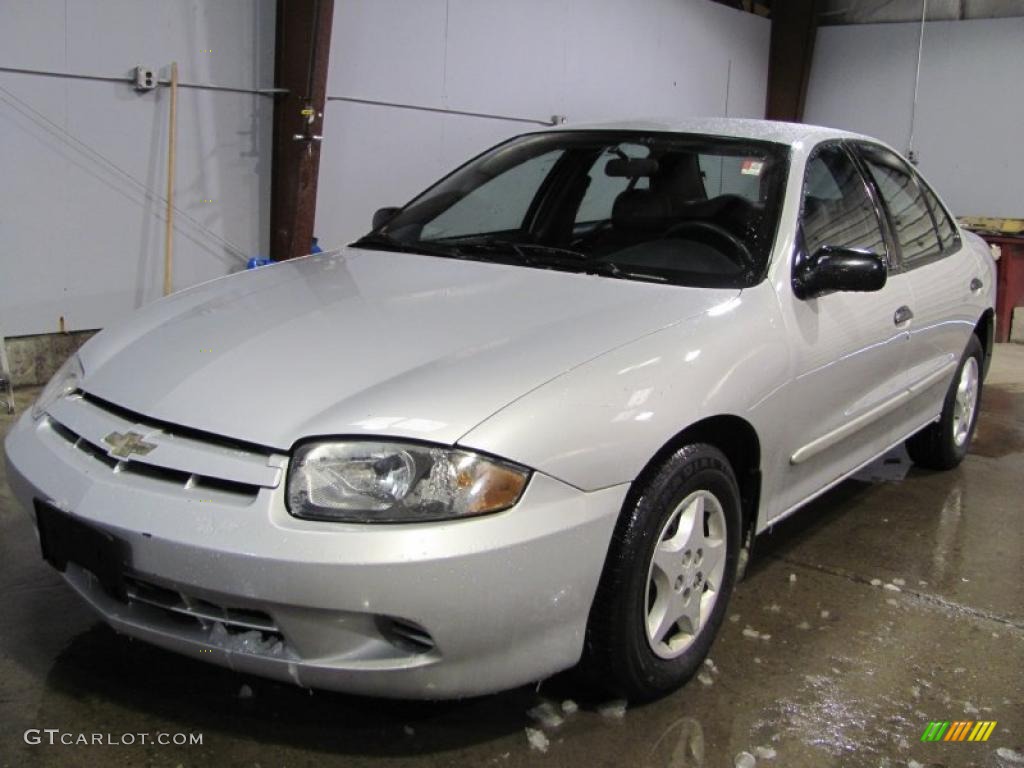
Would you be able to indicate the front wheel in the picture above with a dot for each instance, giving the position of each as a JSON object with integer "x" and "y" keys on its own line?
{"x": 669, "y": 574}
{"x": 944, "y": 443}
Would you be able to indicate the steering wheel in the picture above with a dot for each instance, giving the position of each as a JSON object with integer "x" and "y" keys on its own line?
{"x": 603, "y": 226}
{"x": 717, "y": 231}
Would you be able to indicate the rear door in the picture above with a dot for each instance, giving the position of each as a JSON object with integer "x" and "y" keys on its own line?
{"x": 942, "y": 274}
{"x": 849, "y": 349}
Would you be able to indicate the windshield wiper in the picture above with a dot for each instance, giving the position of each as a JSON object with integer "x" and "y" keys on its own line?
{"x": 384, "y": 242}
{"x": 539, "y": 255}
{"x": 608, "y": 269}
{"x": 523, "y": 250}
{"x": 529, "y": 254}
{"x": 553, "y": 250}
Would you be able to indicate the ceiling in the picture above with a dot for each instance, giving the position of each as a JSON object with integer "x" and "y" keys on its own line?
{"x": 888, "y": 11}
{"x": 891, "y": 11}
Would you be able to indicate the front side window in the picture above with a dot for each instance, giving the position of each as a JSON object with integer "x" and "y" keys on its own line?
{"x": 837, "y": 209}
{"x": 665, "y": 207}
{"x": 911, "y": 218}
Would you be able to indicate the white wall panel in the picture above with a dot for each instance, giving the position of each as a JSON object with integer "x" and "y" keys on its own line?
{"x": 389, "y": 50}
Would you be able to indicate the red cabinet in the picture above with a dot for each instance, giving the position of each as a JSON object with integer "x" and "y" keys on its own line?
{"x": 1010, "y": 287}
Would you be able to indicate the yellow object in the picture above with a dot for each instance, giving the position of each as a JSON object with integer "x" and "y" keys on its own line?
{"x": 991, "y": 225}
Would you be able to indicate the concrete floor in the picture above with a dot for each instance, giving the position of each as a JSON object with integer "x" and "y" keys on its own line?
{"x": 846, "y": 672}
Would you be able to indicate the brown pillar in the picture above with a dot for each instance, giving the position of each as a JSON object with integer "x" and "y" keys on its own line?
{"x": 794, "y": 23}
{"x": 300, "y": 66}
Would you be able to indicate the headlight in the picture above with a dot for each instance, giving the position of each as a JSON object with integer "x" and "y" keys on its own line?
{"x": 385, "y": 482}
{"x": 64, "y": 382}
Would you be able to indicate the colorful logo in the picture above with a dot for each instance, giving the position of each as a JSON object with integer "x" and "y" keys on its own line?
{"x": 958, "y": 730}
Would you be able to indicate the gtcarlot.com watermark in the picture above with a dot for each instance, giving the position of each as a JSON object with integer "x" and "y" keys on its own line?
{"x": 57, "y": 737}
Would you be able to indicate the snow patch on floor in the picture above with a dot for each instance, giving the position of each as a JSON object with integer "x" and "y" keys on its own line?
{"x": 615, "y": 710}
{"x": 1017, "y": 758}
{"x": 546, "y": 715}
{"x": 537, "y": 740}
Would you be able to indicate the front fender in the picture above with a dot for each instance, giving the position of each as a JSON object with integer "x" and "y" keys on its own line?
{"x": 599, "y": 424}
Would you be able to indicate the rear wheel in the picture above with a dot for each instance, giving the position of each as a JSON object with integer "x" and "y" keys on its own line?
{"x": 944, "y": 443}
{"x": 670, "y": 571}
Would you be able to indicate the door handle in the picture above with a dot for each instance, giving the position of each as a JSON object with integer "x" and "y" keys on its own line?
{"x": 902, "y": 315}
{"x": 976, "y": 285}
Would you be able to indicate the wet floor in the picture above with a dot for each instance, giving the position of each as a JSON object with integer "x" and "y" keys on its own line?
{"x": 893, "y": 601}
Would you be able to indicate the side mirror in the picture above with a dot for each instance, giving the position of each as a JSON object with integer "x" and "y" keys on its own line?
{"x": 383, "y": 216}
{"x": 838, "y": 269}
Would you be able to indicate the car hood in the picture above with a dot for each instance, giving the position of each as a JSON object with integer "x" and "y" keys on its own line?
{"x": 369, "y": 342}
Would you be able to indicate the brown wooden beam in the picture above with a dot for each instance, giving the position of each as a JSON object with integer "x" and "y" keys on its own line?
{"x": 300, "y": 65}
{"x": 794, "y": 24}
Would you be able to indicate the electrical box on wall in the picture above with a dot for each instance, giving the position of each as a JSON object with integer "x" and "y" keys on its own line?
{"x": 145, "y": 80}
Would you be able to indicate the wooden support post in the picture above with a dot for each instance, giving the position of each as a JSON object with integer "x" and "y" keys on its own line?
{"x": 172, "y": 148}
{"x": 301, "y": 57}
{"x": 794, "y": 25}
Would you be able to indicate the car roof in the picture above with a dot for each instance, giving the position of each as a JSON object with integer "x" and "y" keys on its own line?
{"x": 734, "y": 127}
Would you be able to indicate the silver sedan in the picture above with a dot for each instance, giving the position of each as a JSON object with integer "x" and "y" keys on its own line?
{"x": 533, "y": 420}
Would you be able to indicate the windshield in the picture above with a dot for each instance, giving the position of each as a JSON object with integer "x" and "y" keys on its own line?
{"x": 674, "y": 208}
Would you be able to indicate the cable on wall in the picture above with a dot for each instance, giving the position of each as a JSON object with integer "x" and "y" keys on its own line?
{"x": 553, "y": 120}
{"x": 126, "y": 79}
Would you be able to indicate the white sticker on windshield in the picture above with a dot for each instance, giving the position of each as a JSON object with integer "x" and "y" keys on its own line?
{"x": 752, "y": 167}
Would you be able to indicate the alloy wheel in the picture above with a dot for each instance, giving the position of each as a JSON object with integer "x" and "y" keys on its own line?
{"x": 685, "y": 574}
{"x": 966, "y": 401}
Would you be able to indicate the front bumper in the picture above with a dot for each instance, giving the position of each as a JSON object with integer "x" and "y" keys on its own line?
{"x": 412, "y": 611}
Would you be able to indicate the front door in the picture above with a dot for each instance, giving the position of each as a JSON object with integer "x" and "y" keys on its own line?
{"x": 848, "y": 349}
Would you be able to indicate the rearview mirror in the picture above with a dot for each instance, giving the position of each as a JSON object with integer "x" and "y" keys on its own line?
{"x": 383, "y": 216}
{"x": 631, "y": 167}
{"x": 838, "y": 269}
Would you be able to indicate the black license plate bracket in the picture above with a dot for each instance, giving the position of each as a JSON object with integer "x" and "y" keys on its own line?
{"x": 66, "y": 539}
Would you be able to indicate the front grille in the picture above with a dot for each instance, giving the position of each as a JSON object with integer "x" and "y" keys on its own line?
{"x": 179, "y": 460}
{"x": 202, "y": 487}
{"x": 172, "y": 430}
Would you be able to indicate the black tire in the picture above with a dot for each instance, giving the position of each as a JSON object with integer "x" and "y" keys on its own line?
{"x": 935, "y": 446}
{"x": 618, "y": 657}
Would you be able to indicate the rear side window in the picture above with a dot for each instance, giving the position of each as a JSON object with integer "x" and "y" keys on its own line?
{"x": 837, "y": 209}
{"x": 911, "y": 217}
{"x": 948, "y": 236}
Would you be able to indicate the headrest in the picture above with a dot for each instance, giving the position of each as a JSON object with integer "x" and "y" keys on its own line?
{"x": 680, "y": 177}
{"x": 641, "y": 209}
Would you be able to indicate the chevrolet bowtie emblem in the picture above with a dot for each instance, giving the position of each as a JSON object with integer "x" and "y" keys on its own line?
{"x": 125, "y": 445}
